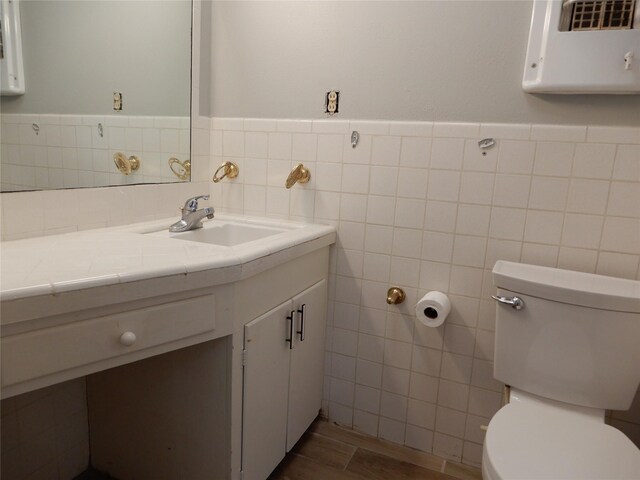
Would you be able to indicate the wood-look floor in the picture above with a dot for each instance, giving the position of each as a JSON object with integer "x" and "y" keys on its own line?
{"x": 329, "y": 452}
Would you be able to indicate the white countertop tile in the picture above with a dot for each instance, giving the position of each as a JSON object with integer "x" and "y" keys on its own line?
{"x": 81, "y": 260}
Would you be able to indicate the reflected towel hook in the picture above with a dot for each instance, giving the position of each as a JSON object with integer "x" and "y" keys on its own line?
{"x": 182, "y": 170}
{"x": 126, "y": 165}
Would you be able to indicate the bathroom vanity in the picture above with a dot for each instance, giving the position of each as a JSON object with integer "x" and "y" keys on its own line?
{"x": 205, "y": 346}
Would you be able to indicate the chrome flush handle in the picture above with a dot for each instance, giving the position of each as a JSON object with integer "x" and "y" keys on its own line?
{"x": 515, "y": 302}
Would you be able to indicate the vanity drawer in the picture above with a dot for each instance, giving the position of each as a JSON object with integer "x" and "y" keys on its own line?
{"x": 48, "y": 351}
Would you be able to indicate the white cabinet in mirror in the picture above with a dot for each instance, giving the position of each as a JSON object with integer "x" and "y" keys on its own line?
{"x": 64, "y": 131}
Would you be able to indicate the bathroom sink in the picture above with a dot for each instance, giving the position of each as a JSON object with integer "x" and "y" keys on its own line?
{"x": 228, "y": 234}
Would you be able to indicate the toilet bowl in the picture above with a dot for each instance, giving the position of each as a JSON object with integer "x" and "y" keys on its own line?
{"x": 535, "y": 438}
{"x": 566, "y": 343}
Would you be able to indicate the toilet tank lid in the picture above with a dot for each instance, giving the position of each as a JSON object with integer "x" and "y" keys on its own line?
{"x": 576, "y": 288}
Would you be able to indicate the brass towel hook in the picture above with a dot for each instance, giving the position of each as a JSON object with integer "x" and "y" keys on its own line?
{"x": 395, "y": 296}
{"x": 124, "y": 164}
{"x": 229, "y": 169}
{"x": 299, "y": 174}
{"x": 182, "y": 170}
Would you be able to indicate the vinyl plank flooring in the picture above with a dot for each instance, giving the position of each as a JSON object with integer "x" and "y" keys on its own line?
{"x": 325, "y": 450}
{"x": 375, "y": 466}
{"x": 462, "y": 471}
{"x": 298, "y": 467}
{"x": 378, "y": 446}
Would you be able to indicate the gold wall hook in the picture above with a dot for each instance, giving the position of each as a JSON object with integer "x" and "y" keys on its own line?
{"x": 299, "y": 174}
{"x": 395, "y": 296}
{"x": 229, "y": 170}
{"x": 126, "y": 165}
{"x": 182, "y": 170}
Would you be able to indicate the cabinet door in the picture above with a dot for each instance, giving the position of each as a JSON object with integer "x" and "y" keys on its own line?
{"x": 307, "y": 360}
{"x": 266, "y": 382}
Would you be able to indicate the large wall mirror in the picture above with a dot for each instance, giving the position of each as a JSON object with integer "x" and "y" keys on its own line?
{"x": 106, "y": 85}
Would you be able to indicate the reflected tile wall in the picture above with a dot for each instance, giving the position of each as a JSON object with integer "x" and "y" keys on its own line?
{"x": 70, "y": 151}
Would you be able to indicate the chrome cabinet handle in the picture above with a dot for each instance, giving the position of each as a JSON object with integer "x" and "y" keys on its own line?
{"x": 301, "y": 311}
{"x": 515, "y": 302}
{"x": 291, "y": 317}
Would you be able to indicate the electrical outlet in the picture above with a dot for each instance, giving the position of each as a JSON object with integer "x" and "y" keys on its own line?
{"x": 332, "y": 99}
{"x": 117, "y": 101}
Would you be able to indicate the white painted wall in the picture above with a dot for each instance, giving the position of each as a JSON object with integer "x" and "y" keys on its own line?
{"x": 425, "y": 60}
{"x": 76, "y": 54}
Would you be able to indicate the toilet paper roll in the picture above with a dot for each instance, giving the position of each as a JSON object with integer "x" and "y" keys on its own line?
{"x": 433, "y": 308}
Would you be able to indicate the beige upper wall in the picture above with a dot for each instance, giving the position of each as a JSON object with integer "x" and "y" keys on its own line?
{"x": 426, "y": 60}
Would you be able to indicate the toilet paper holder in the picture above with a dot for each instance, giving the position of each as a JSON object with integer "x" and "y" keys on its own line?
{"x": 395, "y": 296}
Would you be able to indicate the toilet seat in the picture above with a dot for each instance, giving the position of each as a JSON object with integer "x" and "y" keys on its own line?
{"x": 526, "y": 441}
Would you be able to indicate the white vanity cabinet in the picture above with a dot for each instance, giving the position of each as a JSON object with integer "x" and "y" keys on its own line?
{"x": 283, "y": 375}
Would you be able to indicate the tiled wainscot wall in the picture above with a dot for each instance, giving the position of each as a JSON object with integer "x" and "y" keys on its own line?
{"x": 421, "y": 206}
{"x": 68, "y": 151}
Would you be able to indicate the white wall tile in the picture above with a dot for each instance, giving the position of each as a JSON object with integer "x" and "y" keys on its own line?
{"x": 624, "y": 200}
{"x": 384, "y": 223}
{"x": 613, "y": 134}
{"x": 516, "y": 156}
{"x": 441, "y": 216}
{"x": 360, "y": 154}
{"x": 419, "y": 438}
{"x": 407, "y": 242}
{"x": 447, "y": 446}
{"x": 593, "y": 160}
{"x": 412, "y": 183}
{"x": 330, "y": 148}
{"x": 365, "y": 422}
{"x": 578, "y": 259}
{"x": 511, "y": 190}
{"x": 554, "y": 159}
{"x": 450, "y": 422}
{"x": 415, "y": 152}
{"x": 543, "y": 227}
{"x": 443, "y": 185}
{"x": 456, "y": 130}
{"x": 385, "y": 150}
{"x": 355, "y": 178}
{"x": 368, "y": 373}
{"x": 447, "y": 153}
{"x": 421, "y": 414}
{"x": 408, "y": 129}
{"x": 367, "y": 399}
{"x": 582, "y": 230}
{"x": 621, "y": 235}
{"x": 627, "y": 163}
{"x": 549, "y": 193}
{"x": 588, "y": 196}
{"x": 476, "y": 188}
{"x": 392, "y": 430}
{"x": 558, "y": 133}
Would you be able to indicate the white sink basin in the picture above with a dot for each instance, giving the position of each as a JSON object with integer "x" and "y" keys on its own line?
{"x": 228, "y": 234}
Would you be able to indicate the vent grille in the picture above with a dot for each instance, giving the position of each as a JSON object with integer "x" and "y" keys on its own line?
{"x": 600, "y": 14}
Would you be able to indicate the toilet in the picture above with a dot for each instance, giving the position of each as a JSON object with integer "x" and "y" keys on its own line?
{"x": 568, "y": 346}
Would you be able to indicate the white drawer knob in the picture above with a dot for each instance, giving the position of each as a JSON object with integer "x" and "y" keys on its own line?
{"x": 127, "y": 339}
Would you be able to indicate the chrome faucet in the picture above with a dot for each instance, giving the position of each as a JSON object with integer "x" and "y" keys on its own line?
{"x": 191, "y": 216}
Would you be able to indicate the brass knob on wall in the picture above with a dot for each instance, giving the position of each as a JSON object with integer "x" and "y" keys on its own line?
{"x": 228, "y": 169}
{"x": 124, "y": 164}
{"x": 299, "y": 174}
{"x": 395, "y": 296}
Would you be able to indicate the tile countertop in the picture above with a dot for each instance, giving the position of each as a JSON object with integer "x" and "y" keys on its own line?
{"x": 95, "y": 258}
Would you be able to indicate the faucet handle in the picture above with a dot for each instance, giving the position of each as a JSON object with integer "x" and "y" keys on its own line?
{"x": 191, "y": 205}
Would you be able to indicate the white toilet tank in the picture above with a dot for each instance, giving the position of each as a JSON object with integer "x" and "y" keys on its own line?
{"x": 576, "y": 338}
